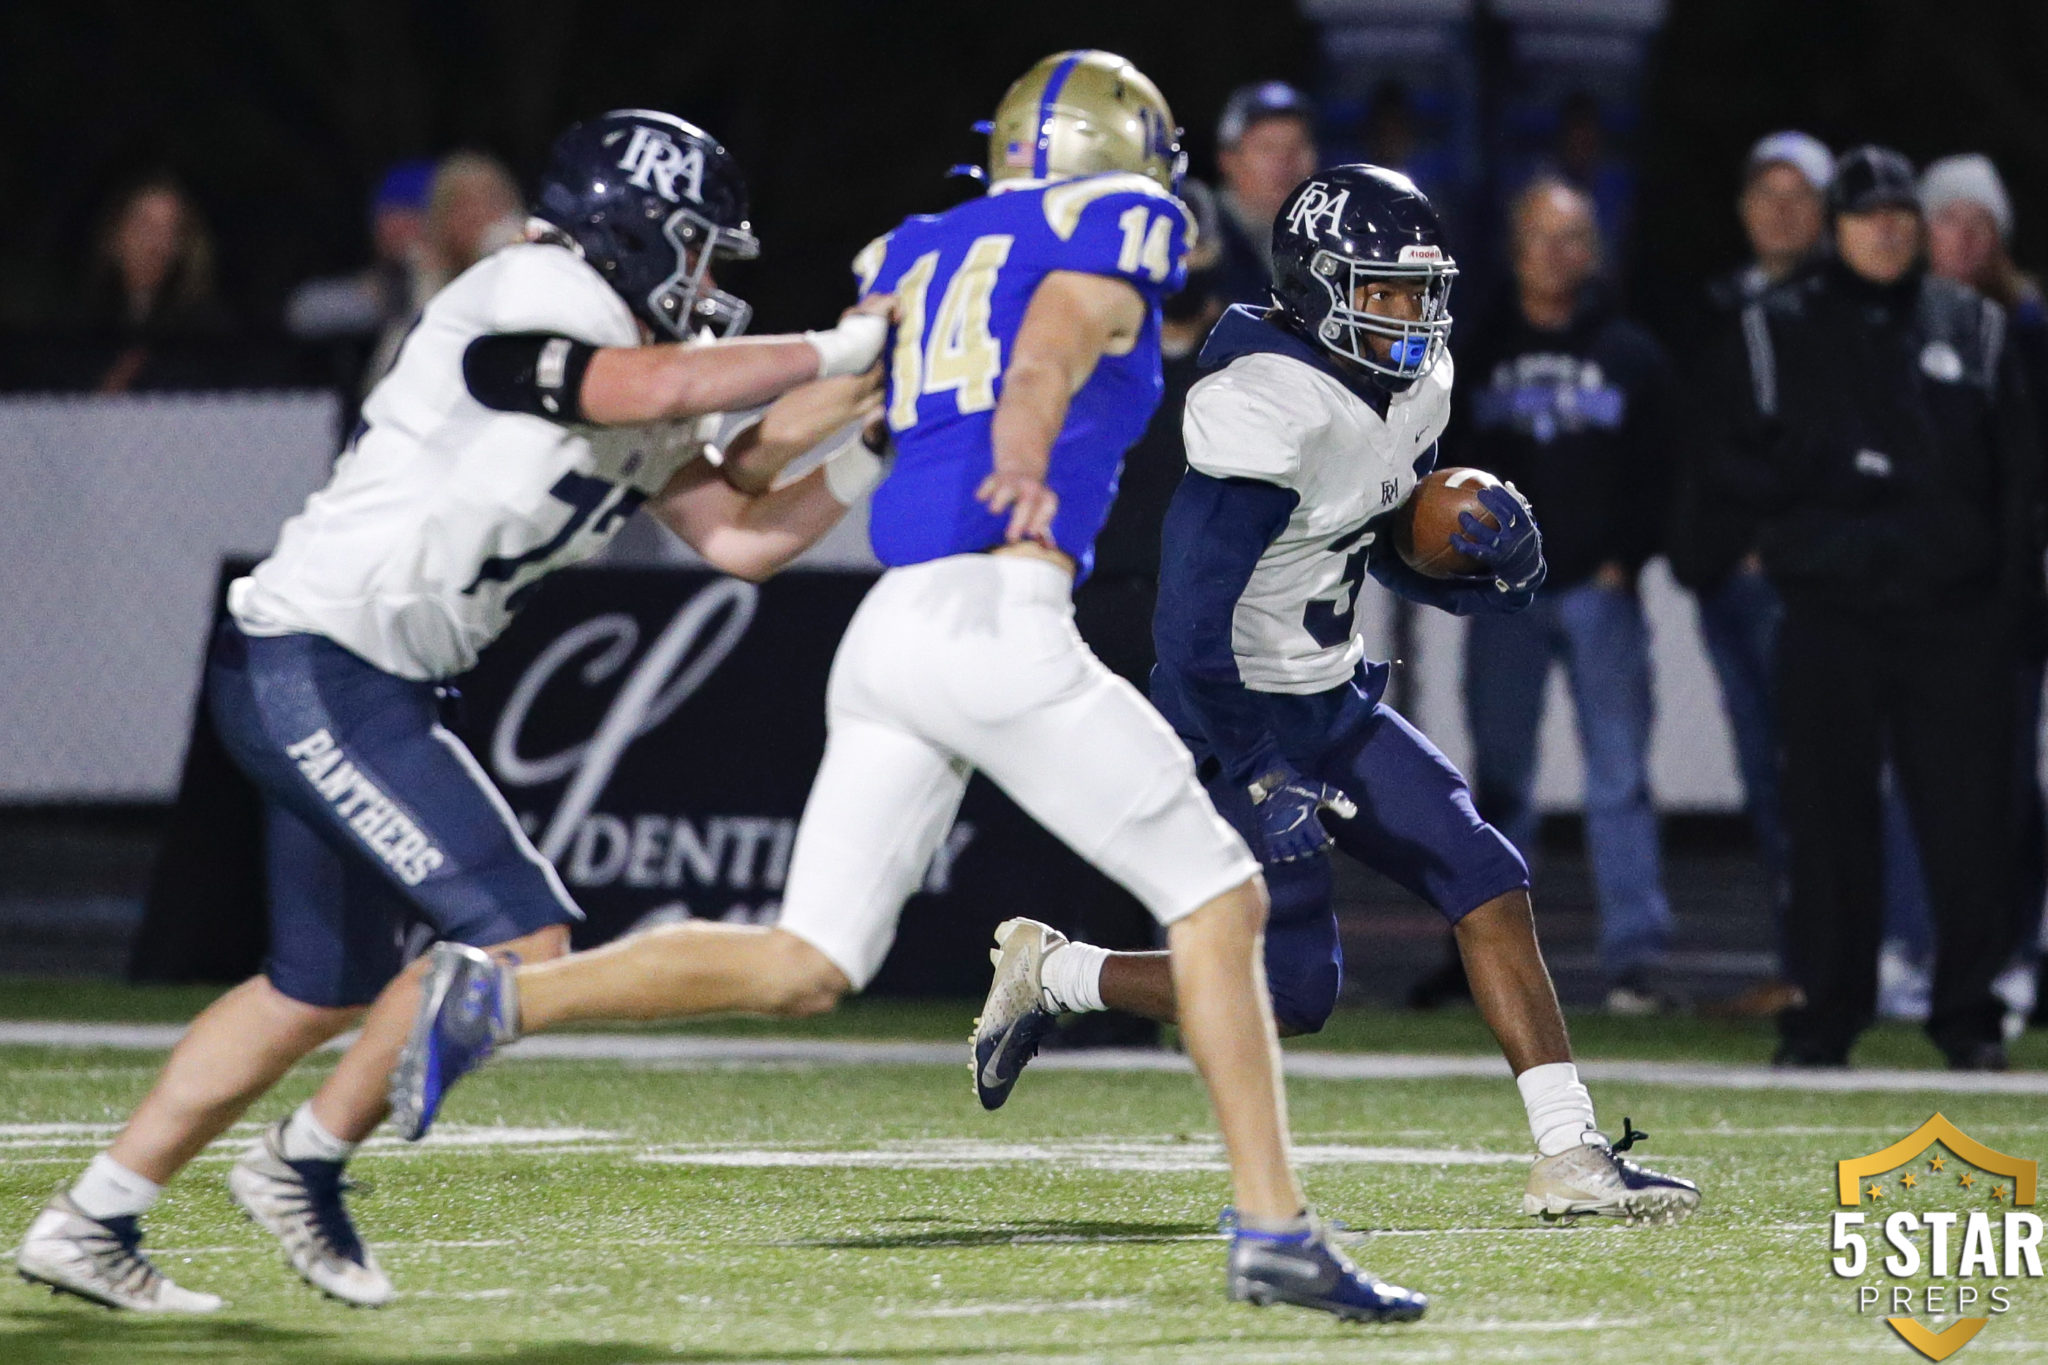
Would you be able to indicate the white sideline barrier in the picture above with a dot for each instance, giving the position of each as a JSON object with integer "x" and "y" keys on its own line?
{"x": 115, "y": 514}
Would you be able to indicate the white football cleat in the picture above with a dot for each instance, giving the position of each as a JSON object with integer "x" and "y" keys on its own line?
{"x": 1591, "y": 1178}
{"x": 299, "y": 1203}
{"x": 101, "y": 1259}
{"x": 1014, "y": 1019}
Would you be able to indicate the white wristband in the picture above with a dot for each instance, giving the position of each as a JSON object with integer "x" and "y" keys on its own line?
{"x": 852, "y": 470}
{"x": 850, "y": 347}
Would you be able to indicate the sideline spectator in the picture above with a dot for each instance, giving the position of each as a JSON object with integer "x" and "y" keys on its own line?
{"x": 1783, "y": 208}
{"x": 1873, "y": 417}
{"x": 1569, "y": 400}
{"x": 149, "y": 288}
{"x": 1969, "y": 239}
{"x": 1266, "y": 145}
{"x": 387, "y": 290}
{"x": 1969, "y": 236}
{"x": 1713, "y": 539}
{"x": 473, "y": 208}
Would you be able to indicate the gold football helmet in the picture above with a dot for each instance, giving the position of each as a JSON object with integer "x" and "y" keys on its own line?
{"x": 1084, "y": 113}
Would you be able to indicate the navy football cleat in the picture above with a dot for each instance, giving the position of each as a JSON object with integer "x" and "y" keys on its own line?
{"x": 468, "y": 1007}
{"x": 1014, "y": 1019}
{"x": 1305, "y": 1269}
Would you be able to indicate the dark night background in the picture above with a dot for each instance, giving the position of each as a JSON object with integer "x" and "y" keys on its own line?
{"x": 845, "y": 116}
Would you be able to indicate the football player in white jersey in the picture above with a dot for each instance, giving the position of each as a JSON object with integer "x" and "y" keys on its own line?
{"x": 1315, "y": 420}
{"x": 529, "y": 412}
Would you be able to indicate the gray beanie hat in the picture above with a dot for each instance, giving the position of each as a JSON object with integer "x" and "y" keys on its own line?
{"x": 1969, "y": 177}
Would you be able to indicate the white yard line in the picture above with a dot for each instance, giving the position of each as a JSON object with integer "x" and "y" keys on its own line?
{"x": 976, "y": 1310}
{"x": 964, "y": 1154}
{"x": 681, "y": 1049}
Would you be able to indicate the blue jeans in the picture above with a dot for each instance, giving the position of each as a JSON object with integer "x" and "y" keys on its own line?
{"x": 1739, "y": 623}
{"x": 1603, "y": 641}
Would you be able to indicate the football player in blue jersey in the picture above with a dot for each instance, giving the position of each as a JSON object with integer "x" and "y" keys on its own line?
{"x": 526, "y": 417}
{"x": 1304, "y": 440}
{"x": 1024, "y": 360}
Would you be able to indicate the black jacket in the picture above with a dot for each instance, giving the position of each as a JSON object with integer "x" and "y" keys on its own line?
{"x": 1885, "y": 439}
{"x": 1710, "y": 532}
{"x": 1578, "y": 420}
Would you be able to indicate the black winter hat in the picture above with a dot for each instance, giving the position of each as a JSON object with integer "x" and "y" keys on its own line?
{"x": 1871, "y": 177}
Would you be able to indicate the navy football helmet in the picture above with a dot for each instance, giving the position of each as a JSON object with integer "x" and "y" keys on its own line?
{"x": 1341, "y": 229}
{"x": 651, "y": 201}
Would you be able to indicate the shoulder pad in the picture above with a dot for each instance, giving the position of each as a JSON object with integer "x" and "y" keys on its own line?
{"x": 540, "y": 287}
{"x": 1251, "y": 418}
{"x": 1066, "y": 201}
{"x": 868, "y": 264}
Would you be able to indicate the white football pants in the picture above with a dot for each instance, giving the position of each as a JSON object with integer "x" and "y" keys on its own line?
{"x": 972, "y": 662}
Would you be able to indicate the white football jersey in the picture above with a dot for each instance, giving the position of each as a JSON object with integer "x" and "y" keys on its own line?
{"x": 1273, "y": 418}
{"x": 442, "y": 512}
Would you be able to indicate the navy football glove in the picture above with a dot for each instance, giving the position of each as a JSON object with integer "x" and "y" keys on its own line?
{"x": 1287, "y": 805}
{"x": 1513, "y": 551}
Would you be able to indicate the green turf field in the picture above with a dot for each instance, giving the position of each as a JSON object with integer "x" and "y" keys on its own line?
{"x": 600, "y": 1211}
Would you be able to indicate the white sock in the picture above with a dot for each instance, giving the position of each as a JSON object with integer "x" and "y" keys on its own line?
{"x": 307, "y": 1139}
{"x": 1560, "y": 1108}
{"x": 1071, "y": 977}
{"x": 110, "y": 1190}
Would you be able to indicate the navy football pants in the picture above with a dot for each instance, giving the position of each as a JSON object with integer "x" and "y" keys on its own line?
{"x": 1416, "y": 825}
{"x": 375, "y": 817}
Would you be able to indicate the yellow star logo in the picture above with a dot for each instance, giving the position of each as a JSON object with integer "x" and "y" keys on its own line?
{"x": 1937, "y": 1163}
{"x": 1875, "y": 1191}
{"x": 1966, "y": 1180}
{"x": 1998, "y": 1193}
{"x": 1908, "y": 1181}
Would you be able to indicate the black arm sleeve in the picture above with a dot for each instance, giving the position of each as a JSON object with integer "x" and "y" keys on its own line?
{"x": 540, "y": 373}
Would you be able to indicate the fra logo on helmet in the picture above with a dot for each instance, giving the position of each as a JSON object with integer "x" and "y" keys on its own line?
{"x": 1937, "y": 1230}
{"x": 1317, "y": 210}
{"x": 654, "y": 162}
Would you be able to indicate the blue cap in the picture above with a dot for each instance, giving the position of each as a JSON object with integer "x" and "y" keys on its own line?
{"x": 404, "y": 186}
{"x": 1249, "y": 104}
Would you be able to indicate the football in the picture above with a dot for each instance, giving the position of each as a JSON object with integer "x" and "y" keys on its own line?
{"x": 1428, "y": 520}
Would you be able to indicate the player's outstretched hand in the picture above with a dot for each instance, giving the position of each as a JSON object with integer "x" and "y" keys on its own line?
{"x": 1288, "y": 807}
{"x": 1029, "y": 502}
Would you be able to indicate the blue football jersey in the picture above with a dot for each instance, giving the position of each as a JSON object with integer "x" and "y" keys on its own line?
{"x": 962, "y": 281}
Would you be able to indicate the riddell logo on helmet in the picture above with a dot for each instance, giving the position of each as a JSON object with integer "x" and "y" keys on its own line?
{"x": 1419, "y": 255}
{"x": 1317, "y": 210}
{"x": 654, "y": 162}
